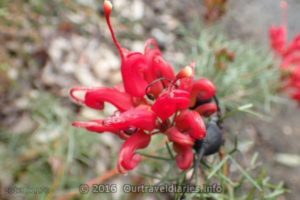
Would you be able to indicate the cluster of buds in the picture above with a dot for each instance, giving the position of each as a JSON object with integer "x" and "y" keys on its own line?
{"x": 152, "y": 99}
{"x": 289, "y": 54}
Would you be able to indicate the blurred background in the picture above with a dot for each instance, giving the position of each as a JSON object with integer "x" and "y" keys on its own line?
{"x": 47, "y": 47}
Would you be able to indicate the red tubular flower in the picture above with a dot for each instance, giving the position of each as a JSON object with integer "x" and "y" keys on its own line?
{"x": 133, "y": 64}
{"x": 278, "y": 39}
{"x": 95, "y": 98}
{"x": 140, "y": 117}
{"x": 202, "y": 89}
{"x": 177, "y": 137}
{"x": 127, "y": 158}
{"x": 207, "y": 109}
{"x": 137, "y": 118}
{"x": 191, "y": 122}
{"x": 133, "y": 68}
{"x": 278, "y": 35}
{"x": 157, "y": 67}
{"x": 184, "y": 157}
{"x": 170, "y": 102}
{"x": 290, "y": 56}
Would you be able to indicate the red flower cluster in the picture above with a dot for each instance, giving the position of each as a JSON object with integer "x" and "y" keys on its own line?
{"x": 290, "y": 55}
{"x": 151, "y": 100}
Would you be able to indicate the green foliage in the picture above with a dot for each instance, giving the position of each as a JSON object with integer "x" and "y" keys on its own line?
{"x": 235, "y": 178}
{"x": 53, "y": 155}
{"x": 250, "y": 77}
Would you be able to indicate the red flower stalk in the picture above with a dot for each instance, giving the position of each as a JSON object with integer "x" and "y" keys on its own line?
{"x": 289, "y": 54}
{"x": 152, "y": 99}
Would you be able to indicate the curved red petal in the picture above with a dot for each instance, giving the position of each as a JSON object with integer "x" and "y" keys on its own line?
{"x": 184, "y": 157}
{"x": 74, "y": 90}
{"x": 128, "y": 160}
{"x": 191, "y": 122}
{"x": 163, "y": 107}
{"x": 133, "y": 68}
{"x": 202, "y": 89}
{"x": 177, "y": 137}
{"x": 170, "y": 102}
{"x": 95, "y": 126}
{"x": 207, "y": 109}
{"x": 140, "y": 117}
{"x": 157, "y": 67}
{"x": 96, "y": 98}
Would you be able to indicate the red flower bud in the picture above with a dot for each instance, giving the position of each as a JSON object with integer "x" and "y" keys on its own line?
{"x": 191, "y": 122}
{"x": 202, "y": 89}
{"x": 207, "y": 109}
{"x": 128, "y": 160}
{"x": 170, "y": 102}
{"x": 186, "y": 72}
{"x": 107, "y": 7}
{"x": 184, "y": 157}
{"x": 177, "y": 137}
